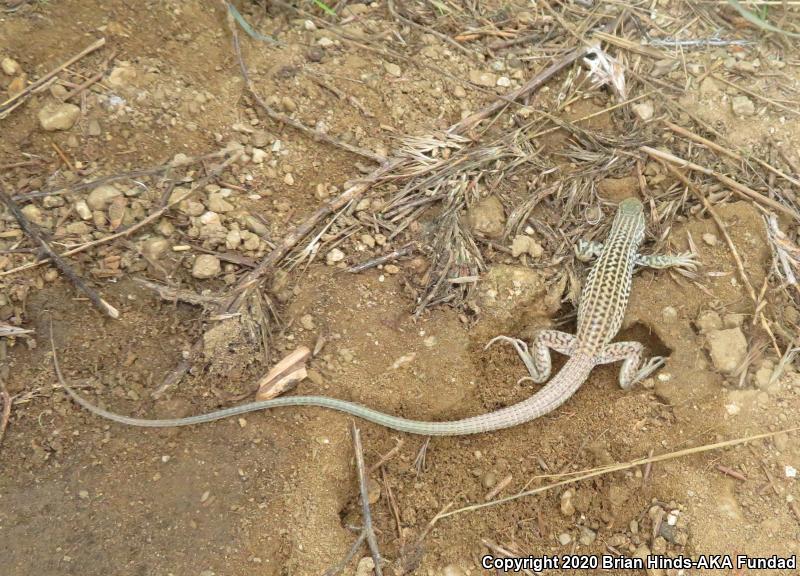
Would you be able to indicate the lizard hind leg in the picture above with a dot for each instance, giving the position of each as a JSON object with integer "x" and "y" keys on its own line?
{"x": 538, "y": 361}
{"x": 633, "y": 370}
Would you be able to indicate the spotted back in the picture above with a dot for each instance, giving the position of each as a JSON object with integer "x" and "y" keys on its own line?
{"x": 608, "y": 286}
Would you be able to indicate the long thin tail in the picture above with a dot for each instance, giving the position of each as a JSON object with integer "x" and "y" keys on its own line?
{"x": 550, "y": 397}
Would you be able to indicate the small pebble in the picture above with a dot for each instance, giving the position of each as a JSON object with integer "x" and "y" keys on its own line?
{"x": 392, "y": 69}
{"x": 54, "y": 117}
{"x": 206, "y": 266}
{"x": 334, "y": 256}
{"x": 564, "y": 538}
{"x": 83, "y": 494}
{"x": 710, "y": 239}
{"x": 307, "y": 322}
{"x": 10, "y": 66}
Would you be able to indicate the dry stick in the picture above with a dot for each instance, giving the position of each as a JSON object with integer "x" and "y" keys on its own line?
{"x": 741, "y": 189}
{"x": 621, "y": 466}
{"x": 739, "y": 265}
{"x": 347, "y": 557}
{"x": 388, "y": 456}
{"x": 362, "y": 485}
{"x": 731, "y": 472}
{"x": 282, "y": 118}
{"x": 7, "y": 105}
{"x": 730, "y": 153}
{"x": 6, "y": 397}
{"x": 154, "y": 216}
{"x": 77, "y": 281}
{"x": 359, "y": 188}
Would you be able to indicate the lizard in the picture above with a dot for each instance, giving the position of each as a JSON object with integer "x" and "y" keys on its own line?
{"x": 601, "y": 310}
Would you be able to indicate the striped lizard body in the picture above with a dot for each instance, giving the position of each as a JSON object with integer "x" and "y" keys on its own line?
{"x": 600, "y": 314}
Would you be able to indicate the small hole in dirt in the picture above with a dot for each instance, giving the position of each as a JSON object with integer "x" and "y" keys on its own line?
{"x": 639, "y": 332}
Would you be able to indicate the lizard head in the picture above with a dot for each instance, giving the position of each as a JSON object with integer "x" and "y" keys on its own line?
{"x": 630, "y": 206}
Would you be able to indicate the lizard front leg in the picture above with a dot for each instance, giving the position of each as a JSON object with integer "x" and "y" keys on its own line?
{"x": 686, "y": 260}
{"x": 586, "y": 250}
{"x": 631, "y": 353}
{"x": 538, "y": 363}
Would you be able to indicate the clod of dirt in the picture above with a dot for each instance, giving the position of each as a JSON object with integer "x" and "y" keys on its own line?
{"x": 507, "y": 289}
{"x": 617, "y": 189}
{"x": 708, "y": 321}
{"x": 487, "y": 217}
{"x": 53, "y": 117}
{"x": 526, "y": 245}
{"x": 727, "y": 347}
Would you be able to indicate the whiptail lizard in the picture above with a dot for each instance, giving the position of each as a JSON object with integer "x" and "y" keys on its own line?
{"x": 600, "y": 314}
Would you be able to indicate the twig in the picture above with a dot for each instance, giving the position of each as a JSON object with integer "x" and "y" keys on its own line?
{"x": 388, "y": 456}
{"x": 6, "y": 398}
{"x": 31, "y": 230}
{"x": 731, "y": 472}
{"x": 12, "y": 103}
{"x": 730, "y": 153}
{"x": 620, "y": 466}
{"x": 365, "y": 512}
{"x": 741, "y": 189}
{"x": 372, "y": 263}
{"x": 757, "y": 95}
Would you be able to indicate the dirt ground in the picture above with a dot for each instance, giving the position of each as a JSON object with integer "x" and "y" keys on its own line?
{"x": 276, "y": 492}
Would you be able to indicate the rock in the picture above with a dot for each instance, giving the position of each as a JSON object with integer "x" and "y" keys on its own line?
{"x": 459, "y": 92}
{"x": 288, "y": 105}
{"x": 206, "y": 266}
{"x": 708, "y": 321}
{"x": 367, "y": 240}
{"x": 504, "y": 81}
{"x": 743, "y": 106}
{"x": 233, "y": 238}
{"x": 33, "y": 213}
{"x": 392, "y": 69}
{"x": 710, "y": 239}
{"x": 307, "y": 322}
{"x": 53, "y": 201}
{"x": 255, "y": 225}
{"x": 288, "y": 179}
{"x": 644, "y": 110}
{"x": 83, "y": 494}
{"x": 587, "y": 536}
{"x": 258, "y": 156}
{"x": 10, "y": 66}
{"x": 54, "y": 117}
{"x": 101, "y": 196}
{"x": 325, "y": 42}
{"x": 78, "y": 228}
{"x": 526, "y": 245}
{"x": 567, "y": 506}
{"x": 487, "y": 217}
{"x": 489, "y": 479}
{"x": 154, "y": 248}
{"x": 94, "y": 128}
{"x": 481, "y": 78}
{"x": 334, "y": 256}
{"x": 365, "y": 566}
{"x": 763, "y": 376}
{"x": 217, "y": 203}
{"x": 564, "y": 538}
{"x": 728, "y": 348}
{"x": 83, "y": 210}
{"x": 669, "y": 314}
{"x": 391, "y": 269}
